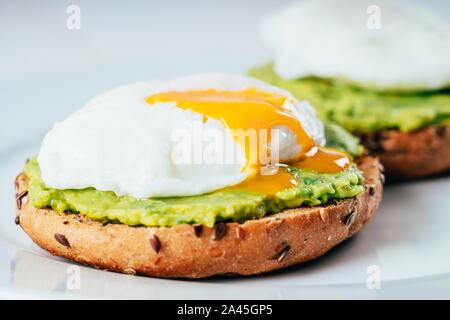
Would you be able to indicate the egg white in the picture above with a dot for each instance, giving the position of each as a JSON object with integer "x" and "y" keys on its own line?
{"x": 118, "y": 142}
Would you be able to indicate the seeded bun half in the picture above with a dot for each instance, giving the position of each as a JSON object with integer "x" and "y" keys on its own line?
{"x": 193, "y": 251}
{"x": 411, "y": 155}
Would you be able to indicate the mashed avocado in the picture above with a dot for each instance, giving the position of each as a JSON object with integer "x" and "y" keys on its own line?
{"x": 362, "y": 109}
{"x": 313, "y": 189}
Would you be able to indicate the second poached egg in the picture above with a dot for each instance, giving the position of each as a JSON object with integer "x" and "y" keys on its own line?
{"x": 382, "y": 44}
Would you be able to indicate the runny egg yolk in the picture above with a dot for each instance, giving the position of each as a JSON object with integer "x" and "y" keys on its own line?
{"x": 254, "y": 109}
{"x": 247, "y": 110}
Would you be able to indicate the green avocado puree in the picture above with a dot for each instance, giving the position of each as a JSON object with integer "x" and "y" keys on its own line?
{"x": 361, "y": 109}
{"x": 313, "y": 189}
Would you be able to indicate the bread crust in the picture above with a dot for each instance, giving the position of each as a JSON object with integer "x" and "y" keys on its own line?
{"x": 410, "y": 155}
{"x": 255, "y": 246}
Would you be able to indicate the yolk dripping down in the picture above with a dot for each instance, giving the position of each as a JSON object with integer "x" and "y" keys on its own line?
{"x": 323, "y": 159}
{"x": 254, "y": 109}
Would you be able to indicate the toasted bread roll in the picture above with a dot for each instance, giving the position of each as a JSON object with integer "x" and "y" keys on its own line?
{"x": 409, "y": 155}
{"x": 193, "y": 251}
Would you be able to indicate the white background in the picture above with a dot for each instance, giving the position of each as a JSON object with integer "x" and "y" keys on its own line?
{"x": 48, "y": 71}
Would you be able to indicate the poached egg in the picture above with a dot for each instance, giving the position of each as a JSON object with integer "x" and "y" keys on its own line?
{"x": 378, "y": 44}
{"x": 178, "y": 138}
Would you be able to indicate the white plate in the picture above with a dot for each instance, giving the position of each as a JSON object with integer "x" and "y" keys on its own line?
{"x": 407, "y": 243}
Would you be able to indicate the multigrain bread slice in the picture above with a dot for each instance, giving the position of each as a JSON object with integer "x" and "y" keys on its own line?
{"x": 193, "y": 251}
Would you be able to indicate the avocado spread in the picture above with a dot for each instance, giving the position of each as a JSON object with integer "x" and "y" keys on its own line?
{"x": 361, "y": 109}
{"x": 312, "y": 189}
